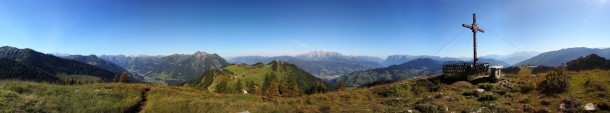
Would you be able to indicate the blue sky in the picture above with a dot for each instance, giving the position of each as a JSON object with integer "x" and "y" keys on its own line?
{"x": 288, "y": 27}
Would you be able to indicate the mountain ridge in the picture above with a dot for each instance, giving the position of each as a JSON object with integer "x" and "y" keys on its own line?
{"x": 557, "y": 57}
{"x": 53, "y": 64}
{"x": 168, "y": 70}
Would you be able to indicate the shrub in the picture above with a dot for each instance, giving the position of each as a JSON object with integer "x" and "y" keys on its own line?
{"x": 470, "y": 93}
{"x": 222, "y": 87}
{"x": 541, "y": 69}
{"x": 429, "y": 108}
{"x": 604, "y": 106}
{"x": 386, "y": 91}
{"x": 527, "y": 87}
{"x": 511, "y": 70}
{"x": 422, "y": 85}
{"x": 488, "y": 97}
{"x": 555, "y": 82}
{"x": 594, "y": 86}
{"x": 487, "y": 87}
{"x": 395, "y": 102}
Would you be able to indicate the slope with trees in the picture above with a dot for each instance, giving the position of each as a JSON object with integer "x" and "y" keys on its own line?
{"x": 289, "y": 80}
{"x": 168, "y": 70}
{"x": 53, "y": 65}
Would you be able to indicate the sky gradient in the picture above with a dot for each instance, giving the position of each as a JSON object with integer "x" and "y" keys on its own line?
{"x": 288, "y": 27}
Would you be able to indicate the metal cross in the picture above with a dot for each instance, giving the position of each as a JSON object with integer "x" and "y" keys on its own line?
{"x": 474, "y": 27}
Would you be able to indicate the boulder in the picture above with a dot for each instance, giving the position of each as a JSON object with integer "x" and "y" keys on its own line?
{"x": 479, "y": 91}
{"x": 589, "y": 107}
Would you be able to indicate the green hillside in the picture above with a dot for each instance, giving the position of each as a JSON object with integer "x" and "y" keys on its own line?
{"x": 10, "y": 69}
{"x": 255, "y": 76}
{"x": 54, "y": 65}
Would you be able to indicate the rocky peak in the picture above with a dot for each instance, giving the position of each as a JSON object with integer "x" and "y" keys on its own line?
{"x": 200, "y": 54}
{"x": 321, "y": 54}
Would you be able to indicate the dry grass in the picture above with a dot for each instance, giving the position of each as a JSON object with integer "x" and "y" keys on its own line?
{"x": 19, "y": 96}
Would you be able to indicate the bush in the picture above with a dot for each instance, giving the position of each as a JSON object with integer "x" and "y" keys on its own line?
{"x": 488, "y": 97}
{"x": 487, "y": 87}
{"x": 511, "y": 70}
{"x": 555, "y": 82}
{"x": 527, "y": 87}
{"x": 422, "y": 85}
{"x": 594, "y": 86}
{"x": 604, "y": 106}
{"x": 395, "y": 102}
{"x": 429, "y": 108}
{"x": 470, "y": 93}
{"x": 541, "y": 69}
{"x": 386, "y": 91}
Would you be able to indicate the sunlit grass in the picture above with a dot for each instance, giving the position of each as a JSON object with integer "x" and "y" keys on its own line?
{"x": 19, "y": 96}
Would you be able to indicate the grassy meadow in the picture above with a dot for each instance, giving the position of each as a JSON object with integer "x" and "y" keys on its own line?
{"x": 513, "y": 93}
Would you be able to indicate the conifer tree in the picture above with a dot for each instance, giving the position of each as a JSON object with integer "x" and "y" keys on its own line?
{"x": 273, "y": 90}
{"x": 252, "y": 89}
{"x": 116, "y": 78}
{"x": 123, "y": 78}
{"x": 339, "y": 86}
{"x": 292, "y": 89}
{"x": 283, "y": 89}
{"x": 238, "y": 87}
{"x": 222, "y": 87}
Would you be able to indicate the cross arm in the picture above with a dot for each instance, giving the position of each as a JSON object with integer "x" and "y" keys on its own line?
{"x": 481, "y": 30}
{"x": 467, "y": 26}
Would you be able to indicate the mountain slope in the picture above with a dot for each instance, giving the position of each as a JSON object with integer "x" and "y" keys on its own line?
{"x": 95, "y": 61}
{"x": 512, "y": 58}
{"x": 53, "y": 65}
{"x": 588, "y": 62}
{"x": 256, "y": 74}
{"x": 168, "y": 70}
{"x": 322, "y": 64}
{"x": 414, "y": 68}
{"x": 556, "y": 58}
{"x": 399, "y": 59}
{"x": 13, "y": 70}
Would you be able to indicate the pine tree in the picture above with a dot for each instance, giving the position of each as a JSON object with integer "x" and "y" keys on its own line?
{"x": 290, "y": 88}
{"x": 339, "y": 86}
{"x": 273, "y": 90}
{"x": 116, "y": 78}
{"x": 222, "y": 87}
{"x": 317, "y": 88}
{"x": 283, "y": 89}
{"x": 238, "y": 87}
{"x": 123, "y": 78}
{"x": 253, "y": 88}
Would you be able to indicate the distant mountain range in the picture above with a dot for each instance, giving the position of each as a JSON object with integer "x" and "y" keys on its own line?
{"x": 556, "y": 58}
{"x": 322, "y": 64}
{"x": 413, "y": 68}
{"x": 399, "y": 59}
{"x": 512, "y": 58}
{"x": 168, "y": 70}
{"x": 29, "y": 59}
{"x": 329, "y": 65}
{"x": 95, "y": 61}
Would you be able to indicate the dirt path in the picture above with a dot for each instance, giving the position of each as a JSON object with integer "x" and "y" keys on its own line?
{"x": 138, "y": 107}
